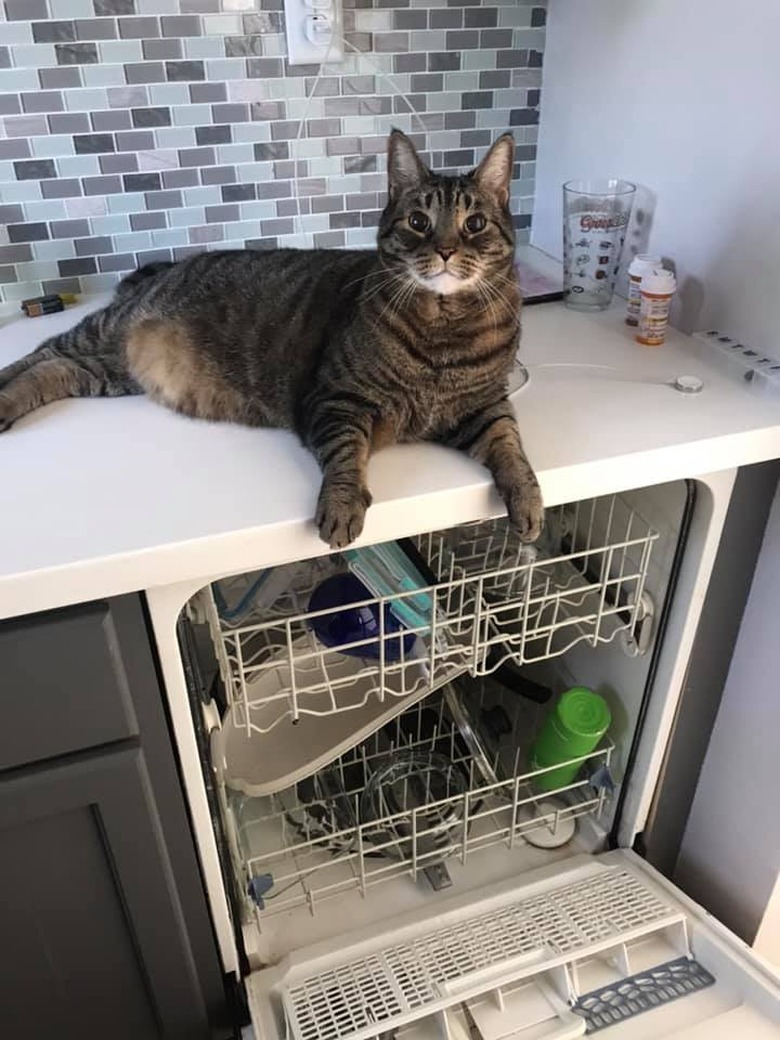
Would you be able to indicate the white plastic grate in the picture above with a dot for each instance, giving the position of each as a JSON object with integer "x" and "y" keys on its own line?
{"x": 368, "y": 995}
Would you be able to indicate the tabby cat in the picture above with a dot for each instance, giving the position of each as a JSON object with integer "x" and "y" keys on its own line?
{"x": 352, "y": 350}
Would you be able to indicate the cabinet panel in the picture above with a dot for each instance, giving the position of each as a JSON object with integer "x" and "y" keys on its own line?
{"x": 65, "y": 682}
{"x": 94, "y": 942}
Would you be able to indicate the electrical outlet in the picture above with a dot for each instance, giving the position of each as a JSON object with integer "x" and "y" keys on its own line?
{"x": 313, "y": 31}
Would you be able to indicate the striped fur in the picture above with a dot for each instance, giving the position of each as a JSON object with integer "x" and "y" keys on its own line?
{"x": 351, "y": 350}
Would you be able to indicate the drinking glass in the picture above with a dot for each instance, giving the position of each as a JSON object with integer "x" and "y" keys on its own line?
{"x": 595, "y": 217}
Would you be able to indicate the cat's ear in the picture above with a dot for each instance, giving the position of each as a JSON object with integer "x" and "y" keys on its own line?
{"x": 494, "y": 173}
{"x": 404, "y": 169}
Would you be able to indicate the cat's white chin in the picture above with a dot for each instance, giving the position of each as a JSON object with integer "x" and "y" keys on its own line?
{"x": 444, "y": 283}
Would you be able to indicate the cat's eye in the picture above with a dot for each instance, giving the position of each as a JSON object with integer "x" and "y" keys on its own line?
{"x": 476, "y": 222}
{"x": 418, "y": 221}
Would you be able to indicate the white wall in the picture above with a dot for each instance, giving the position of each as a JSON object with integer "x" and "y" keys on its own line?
{"x": 684, "y": 99}
{"x": 730, "y": 855}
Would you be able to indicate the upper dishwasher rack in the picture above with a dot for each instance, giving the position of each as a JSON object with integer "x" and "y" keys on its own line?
{"x": 492, "y": 601}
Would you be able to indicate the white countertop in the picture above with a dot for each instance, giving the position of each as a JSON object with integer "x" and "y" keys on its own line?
{"x": 101, "y": 497}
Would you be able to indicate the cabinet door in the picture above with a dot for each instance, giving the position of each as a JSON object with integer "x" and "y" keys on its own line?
{"x": 93, "y": 942}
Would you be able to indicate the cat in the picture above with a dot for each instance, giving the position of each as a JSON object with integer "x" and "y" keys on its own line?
{"x": 350, "y": 349}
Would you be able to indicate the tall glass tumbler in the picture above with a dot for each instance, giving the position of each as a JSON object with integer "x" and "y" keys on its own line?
{"x": 595, "y": 218}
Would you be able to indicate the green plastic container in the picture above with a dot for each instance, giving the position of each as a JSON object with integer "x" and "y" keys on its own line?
{"x": 574, "y": 728}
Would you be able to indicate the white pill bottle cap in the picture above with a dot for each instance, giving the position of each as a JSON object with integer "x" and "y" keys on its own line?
{"x": 659, "y": 282}
{"x": 643, "y": 263}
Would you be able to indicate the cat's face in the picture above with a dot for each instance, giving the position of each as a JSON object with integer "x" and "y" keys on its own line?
{"x": 447, "y": 233}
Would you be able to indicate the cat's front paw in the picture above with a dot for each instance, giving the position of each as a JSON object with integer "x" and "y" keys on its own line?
{"x": 341, "y": 511}
{"x": 526, "y": 510}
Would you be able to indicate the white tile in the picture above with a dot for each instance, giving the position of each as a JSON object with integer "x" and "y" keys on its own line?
{"x": 87, "y": 206}
{"x": 169, "y": 94}
{"x": 157, "y": 6}
{"x": 15, "y": 32}
{"x": 239, "y": 153}
{"x": 175, "y": 137}
{"x": 78, "y": 166}
{"x": 170, "y": 237}
{"x": 239, "y": 5}
{"x": 81, "y": 100}
{"x": 249, "y": 90}
{"x": 243, "y": 229}
{"x": 243, "y": 132}
{"x": 71, "y": 9}
{"x": 20, "y": 191}
{"x": 218, "y": 69}
{"x": 157, "y": 159}
{"x": 99, "y": 283}
{"x": 130, "y": 203}
{"x": 514, "y": 17}
{"x": 222, "y": 24}
{"x": 206, "y": 196}
{"x": 103, "y": 75}
{"x": 275, "y": 46}
{"x": 204, "y": 47}
{"x": 13, "y": 80}
{"x": 45, "y": 209}
{"x": 262, "y": 209}
{"x": 34, "y": 55}
{"x": 479, "y": 60}
{"x": 279, "y": 89}
{"x": 371, "y": 21}
{"x": 56, "y": 249}
{"x": 489, "y": 119}
{"x": 120, "y": 50}
{"x": 192, "y": 115}
{"x": 187, "y": 217}
{"x": 360, "y": 238}
{"x": 251, "y": 173}
{"x": 113, "y": 224}
{"x": 135, "y": 240}
{"x": 307, "y": 148}
{"x": 37, "y": 270}
{"x": 22, "y": 291}
{"x": 44, "y": 147}
{"x": 358, "y": 126}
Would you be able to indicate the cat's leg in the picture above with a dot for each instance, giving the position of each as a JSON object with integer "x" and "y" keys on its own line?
{"x": 491, "y": 436}
{"x": 341, "y": 442}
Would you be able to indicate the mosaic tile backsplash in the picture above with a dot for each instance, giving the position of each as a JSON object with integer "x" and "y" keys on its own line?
{"x": 138, "y": 130}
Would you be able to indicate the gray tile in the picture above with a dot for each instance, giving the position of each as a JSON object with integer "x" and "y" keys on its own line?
{"x": 161, "y": 50}
{"x": 321, "y": 127}
{"x": 199, "y": 6}
{"x": 490, "y": 38}
{"x": 102, "y": 185}
{"x": 271, "y": 150}
{"x": 15, "y": 254}
{"x": 126, "y": 163}
{"x": 197, "y": 157}
{"x": 296, "y": 207}
{"x": 142, "y": 182}
{"x": 56, "y": 79}
{"x": 427, "y": 82}
{"x": 511, "y": 59}
{"x": 477, "y": 99}
{"x": 206, "y": 93}
{"x": 184, "y": 71}
{"x": 494, "y": 79}
{"x": 213, "y": 134}
{"x": 182, "y": 252}
{"x": 283, "y": 226}
{"x": 524, "y": 116}
{"x": 480, "y": 17}
{"x": 359, "y": 163}
{"x": 391, "y": 42}
{"x": 53, "y": 32}
{"x": 230, "y": 113}
{"x": 286, "y": 130}
{"x": 58, "y": 285}
{"x": 145, "y": 117}
{"x": 7, "y": 275}
{"x": 94, "y": 246}
{"x": 127, "y": 97}
{"x": 459, "y": 157}
{"x": 447, "y": 61}
{"x": 375, "y": 106}
{"x": 343, "y": 220}
{"x": 287, "y": 168}
{"x": 34, "y": 169}
{"x": 362, "y": 200}
{"x": 135, "y": 141}
{"x": 116, "y": 262}
{"x": 148, "y": 221}
{"x": 326, "y": 204}
{"x": 263, "y": 22}
{"x": 92, "y": 144}
{"x": 69, "y": 228}
{"x": 181, "y": 25}
{"x": 138, "y": 28}
{"x": 243, "y": 46}
{"x": 222, "y": 214}
{"x": 475, "y": 138}
{"x": 95, "y": 29}
{"x": 9, "y": 104}
{"x": 535, "y": 59}
{"x": 109, "y": 7}
{"x": 78, "y": 266}
{"x": 69, "y": 123}
{"x": 11, "y": 214}
{"x": 114, "y": 119}
{"x": 370, "y": 218}
{"x": 446, "y": 19}
{"x": 538, "y": 17}
{"x": 26, "y": 126}
{"x": 61, "y": 189}
{"x": 24, "y": 10}
{"x": 16, "y": 149}
{"x": 180, "y": 178}
{"x": 218, "y": 174}
{"x": 43, "y": 101}
{"x": 363, "y": 84}
{"x": 266, "y": 68}
{"x": 459, "y": 120}
{"x": 342, "y": 106}
{"x": 419, "y": 103}
{"x": 76, "y": 53}
{"x": 329, "y": 239}
{"x": 275, "y": 190}
{"x": 238, "y": 192}
{"x": 409, "y": 63}
{"x": 410, "y": 20}
{"x": 328, "y": 86}
{"x": 296, "y": 71}
{"x": 153, "y": 256}
{"x": 207, "y": 233}
{"x": 264, "y": 244}
{"x": 164, "y": 200}
{"x": 361, "y": 41}
{"x": 525, "y": 153}
{"x": 263, "y": 110}
{"x": 145, "y": 72}
{"x": 462, "y": 39}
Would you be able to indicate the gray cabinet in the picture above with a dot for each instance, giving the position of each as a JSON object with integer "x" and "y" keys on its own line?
{"x": 104, "y": 923}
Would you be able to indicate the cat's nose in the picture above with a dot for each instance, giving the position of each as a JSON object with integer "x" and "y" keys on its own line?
{"x": 445, "y": 253}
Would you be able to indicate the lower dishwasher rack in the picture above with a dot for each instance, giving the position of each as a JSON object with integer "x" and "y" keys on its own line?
{"x": 494, "y": 599}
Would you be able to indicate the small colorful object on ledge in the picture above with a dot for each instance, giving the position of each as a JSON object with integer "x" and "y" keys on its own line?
{"x": 51, "y": 304}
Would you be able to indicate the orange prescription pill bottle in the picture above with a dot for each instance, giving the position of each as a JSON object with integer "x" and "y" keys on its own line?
{"x": 657, "y": 289}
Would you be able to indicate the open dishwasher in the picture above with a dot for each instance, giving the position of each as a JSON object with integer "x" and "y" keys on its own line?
{"x": 396, "y": 861}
